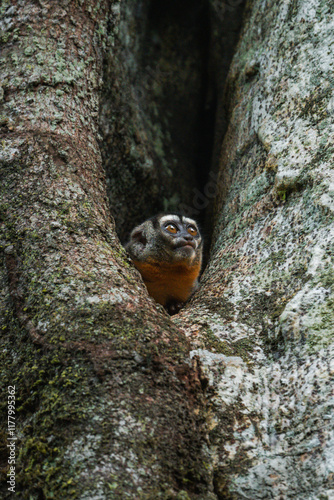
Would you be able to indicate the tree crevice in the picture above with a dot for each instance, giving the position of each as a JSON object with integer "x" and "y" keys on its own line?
{"x": 162, "y": 141}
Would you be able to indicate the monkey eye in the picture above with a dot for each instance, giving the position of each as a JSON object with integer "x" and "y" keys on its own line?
{"x": 171, "y": 228}
{"x": 192, "y": 230}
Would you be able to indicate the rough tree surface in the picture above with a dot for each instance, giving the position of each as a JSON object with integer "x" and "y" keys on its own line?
{"x": 266, "y": 301}
{"x": 111, "y": 398}
{"x": 108, "y": 403}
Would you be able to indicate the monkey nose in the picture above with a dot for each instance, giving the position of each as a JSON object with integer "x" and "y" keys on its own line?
{"x": 186, "y": 242}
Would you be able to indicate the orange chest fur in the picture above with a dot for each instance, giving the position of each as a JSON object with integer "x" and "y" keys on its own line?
{"x": 168, "y": 282}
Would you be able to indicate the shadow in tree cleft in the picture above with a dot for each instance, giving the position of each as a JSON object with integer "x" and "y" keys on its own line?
{"x": 162, "y": 112}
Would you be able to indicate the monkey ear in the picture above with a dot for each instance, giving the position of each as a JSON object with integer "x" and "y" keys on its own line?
{"x": 138, "y": 235}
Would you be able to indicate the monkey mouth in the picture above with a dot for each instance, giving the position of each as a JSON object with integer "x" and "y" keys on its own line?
{"x": 185, "y": 244}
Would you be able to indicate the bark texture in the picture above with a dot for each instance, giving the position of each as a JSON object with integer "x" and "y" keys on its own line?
{"x": 266, "y": 304}
{"x": 108, "y": 404}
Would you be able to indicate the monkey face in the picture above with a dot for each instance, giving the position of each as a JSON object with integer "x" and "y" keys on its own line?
{"x": 180, "y": 236}
{"x": 173, "y": 239}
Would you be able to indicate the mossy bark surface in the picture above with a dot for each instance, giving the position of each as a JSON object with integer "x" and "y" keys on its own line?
{"x": 108, "y": 404}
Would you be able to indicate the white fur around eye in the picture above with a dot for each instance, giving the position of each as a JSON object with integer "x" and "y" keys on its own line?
{"x": 186, "y": 220}
{"x": 169, "y": 218}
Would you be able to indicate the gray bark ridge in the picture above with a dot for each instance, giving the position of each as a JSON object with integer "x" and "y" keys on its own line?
{"x": 263, "y": 321}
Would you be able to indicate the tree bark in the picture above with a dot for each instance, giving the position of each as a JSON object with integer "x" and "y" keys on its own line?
{"x": 107, "y": 402}
{"x": 265, "y": 307}
{"x": 232, "y": 397}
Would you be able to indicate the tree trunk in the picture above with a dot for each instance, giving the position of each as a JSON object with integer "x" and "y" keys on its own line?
{"x": 102, "y": 113}
{"x": 107, "y": 402}
{"x": 265, "y": 307}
